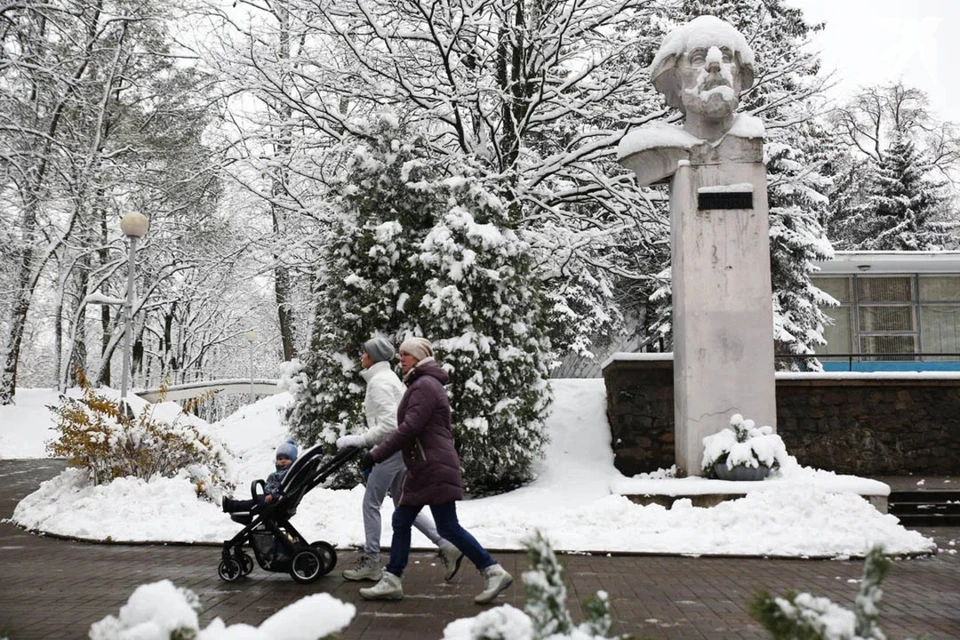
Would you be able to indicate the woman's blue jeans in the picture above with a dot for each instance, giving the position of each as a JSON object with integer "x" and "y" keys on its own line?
{"x": 445, "y": 515}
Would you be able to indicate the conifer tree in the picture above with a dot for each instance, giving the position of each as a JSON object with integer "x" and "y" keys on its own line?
{"x": 484, "y": 309}
{"x": 850, "y": 210}
{"x": 363, "y": 282}
{"x": 545, "y": 589}
{"x": 905, "y": 205}
{"x": 888, "y": 195}
{"x": 421, "y": 247}
{"x": 796, "y": 196}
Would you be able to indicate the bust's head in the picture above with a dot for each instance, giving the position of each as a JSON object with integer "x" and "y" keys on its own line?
{"x": 701, "y": 68}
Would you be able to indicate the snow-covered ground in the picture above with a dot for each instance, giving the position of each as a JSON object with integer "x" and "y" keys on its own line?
{"x": 805, "y": 512}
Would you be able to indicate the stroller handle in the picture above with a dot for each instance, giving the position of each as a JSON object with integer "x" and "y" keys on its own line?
{"x": 342, "y": 457}
{"x": 253, "y": 488}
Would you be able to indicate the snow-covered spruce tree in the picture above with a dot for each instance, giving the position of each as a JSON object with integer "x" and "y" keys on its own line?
{"x": 806, "y": 617}
{"x": 905, "y": 204}
{"x": 421, "y": 247}
{"x": 365, "y": 279}
{"x": 795, "y": 192}
{"x": 485, "y": 311}
{"x": 889, "y": 195}
{"x": 850, "y": 210}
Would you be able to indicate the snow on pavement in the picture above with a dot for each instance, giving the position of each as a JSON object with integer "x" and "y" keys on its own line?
{"x": 571, "y": 500}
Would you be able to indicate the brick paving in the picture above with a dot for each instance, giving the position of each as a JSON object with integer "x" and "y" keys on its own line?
{"x": 51, "y": 588}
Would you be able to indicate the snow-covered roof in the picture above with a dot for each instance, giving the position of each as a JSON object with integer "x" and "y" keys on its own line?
{"x": 872, "y": 262}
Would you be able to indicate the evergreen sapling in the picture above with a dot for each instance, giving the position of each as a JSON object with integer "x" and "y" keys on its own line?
{"x": 802, "y": 616}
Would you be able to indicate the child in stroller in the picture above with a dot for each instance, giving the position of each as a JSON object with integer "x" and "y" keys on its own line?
{"x": 286, "y": 456}
{"x": 276, "y": 544}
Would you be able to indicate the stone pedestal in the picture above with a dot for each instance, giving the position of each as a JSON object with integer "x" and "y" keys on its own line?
{"x": 722, "y": 304}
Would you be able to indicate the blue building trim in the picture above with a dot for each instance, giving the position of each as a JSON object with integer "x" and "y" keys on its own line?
{"x": 891, "y": 365}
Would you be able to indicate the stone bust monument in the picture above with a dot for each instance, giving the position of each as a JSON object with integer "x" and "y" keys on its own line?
{"x": 723, "y": 356}
{"x": 701, "y": 68}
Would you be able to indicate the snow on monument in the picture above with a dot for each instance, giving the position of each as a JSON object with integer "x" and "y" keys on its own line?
{"x": 722, "y": 304}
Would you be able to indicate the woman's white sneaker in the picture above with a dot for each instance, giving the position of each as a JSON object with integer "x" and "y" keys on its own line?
{"x": 389, "y": 588}
{"x": 496, "y": 580}
{"x": 451, "y": 557}
{"x": 367, "y": 569}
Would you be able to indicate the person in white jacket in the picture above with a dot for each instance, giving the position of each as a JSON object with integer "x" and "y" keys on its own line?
{"x": 384, "y": 391}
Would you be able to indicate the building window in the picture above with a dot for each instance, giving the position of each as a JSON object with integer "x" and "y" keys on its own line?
{"x": 892, "y": 317}
{"x": 940, "y": 316}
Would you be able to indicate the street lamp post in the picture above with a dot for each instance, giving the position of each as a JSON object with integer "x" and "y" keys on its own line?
{"x": 134, "y": 225}
{"x": 251, "y": 336}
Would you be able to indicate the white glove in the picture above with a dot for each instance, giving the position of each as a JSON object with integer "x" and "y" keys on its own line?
{"x": 349, "y": 441}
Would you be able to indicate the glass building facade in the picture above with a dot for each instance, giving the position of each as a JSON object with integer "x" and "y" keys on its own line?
{"x": 888, "y": 320}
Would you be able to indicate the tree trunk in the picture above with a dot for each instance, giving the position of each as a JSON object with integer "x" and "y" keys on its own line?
{"x": 26, "y": 283}
{"x": 108, "y": 352}
{"x": 106, "y": 324}
{"x": 8, "y": 377}
{"x": 79, "y": 361}
{"x": 281, "y": 273}
{"x": 58, "y": 328}
{"x": 106, "y": 327}
{"x": 281, "y": 279}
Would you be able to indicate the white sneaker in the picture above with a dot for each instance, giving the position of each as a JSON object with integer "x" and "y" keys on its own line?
{"x": 389, "y": 588}
{"x": 367, "y": 569}
{"x": 496, "y": 580}
{"x": 450, "y": 557}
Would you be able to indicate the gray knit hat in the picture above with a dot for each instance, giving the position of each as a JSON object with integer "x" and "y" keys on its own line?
{"x": 288, "y": 450}
{"x": 379, "y": 349}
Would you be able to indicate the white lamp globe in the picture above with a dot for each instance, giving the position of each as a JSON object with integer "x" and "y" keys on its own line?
{"x": 134, "y": 225}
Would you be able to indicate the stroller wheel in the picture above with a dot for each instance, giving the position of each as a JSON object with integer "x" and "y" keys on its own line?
{"x": 306, "y": 566}
{"x": 229, "y": 570}
{"x": 329, "y": 555}
{"x": 247, "y": 563}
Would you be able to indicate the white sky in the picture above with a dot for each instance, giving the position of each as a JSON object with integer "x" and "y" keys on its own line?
{"x": 873, "y": 42}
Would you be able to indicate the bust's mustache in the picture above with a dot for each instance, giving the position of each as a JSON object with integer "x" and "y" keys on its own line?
{"x": 712, "y": 81}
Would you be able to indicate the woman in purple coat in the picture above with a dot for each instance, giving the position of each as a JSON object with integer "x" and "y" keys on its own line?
{"x": 433, "y": 474}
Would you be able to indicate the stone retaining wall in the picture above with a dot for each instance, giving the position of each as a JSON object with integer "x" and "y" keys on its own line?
{"x": 850, "y": 423}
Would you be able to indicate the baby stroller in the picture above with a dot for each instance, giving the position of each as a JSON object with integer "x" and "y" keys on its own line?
{"x": 276, "y": 544}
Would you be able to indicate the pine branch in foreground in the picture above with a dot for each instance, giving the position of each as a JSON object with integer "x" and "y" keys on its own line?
{"x": 545, "y": 589}
{"x": 802, "y": 616}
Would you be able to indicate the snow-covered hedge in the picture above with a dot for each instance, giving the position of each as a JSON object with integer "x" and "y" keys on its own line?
{"x": 93, "y": 433}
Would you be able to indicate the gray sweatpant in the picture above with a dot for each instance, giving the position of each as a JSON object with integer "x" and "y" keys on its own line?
{"x": 388, "y": 476}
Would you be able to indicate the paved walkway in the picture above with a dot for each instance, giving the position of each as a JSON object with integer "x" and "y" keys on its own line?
{"x": 53, "y": 588}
